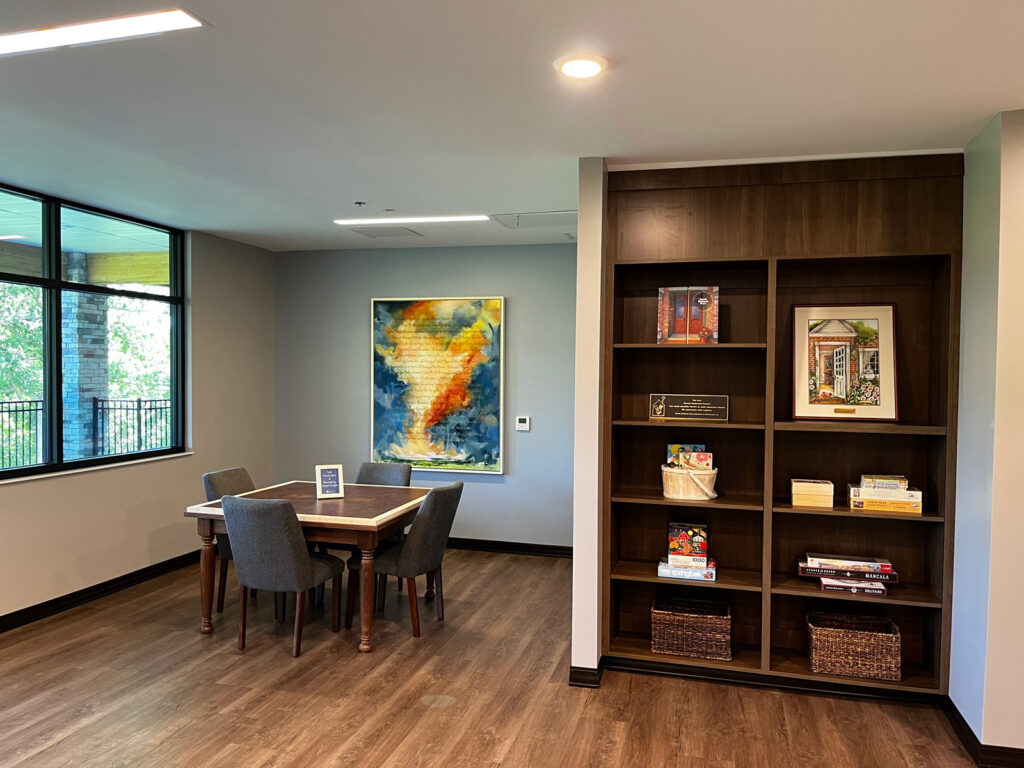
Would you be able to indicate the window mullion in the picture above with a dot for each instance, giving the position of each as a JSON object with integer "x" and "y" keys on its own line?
{"x": 52, "y": 367}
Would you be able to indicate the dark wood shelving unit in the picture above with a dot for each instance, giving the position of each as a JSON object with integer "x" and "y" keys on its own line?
{"x": 884, "y": 230}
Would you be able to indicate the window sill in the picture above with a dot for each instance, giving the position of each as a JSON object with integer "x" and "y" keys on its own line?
{"x": 99, "y": 468}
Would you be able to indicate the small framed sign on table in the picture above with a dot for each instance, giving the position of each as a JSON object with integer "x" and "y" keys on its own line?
{"x": 330, "y": 483}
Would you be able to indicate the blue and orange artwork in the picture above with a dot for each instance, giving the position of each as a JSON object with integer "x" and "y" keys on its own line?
{"x": 437, "y": 383}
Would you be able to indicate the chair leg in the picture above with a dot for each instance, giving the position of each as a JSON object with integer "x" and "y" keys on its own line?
{"x": 399, "y": 585}
{"x": 243, "y": 604}
{"x": 321, "y": 592}
{"x": 429, "y": 594}
{"x": 300, "y": 614}
{"x": 222, "y": 585}
{"x": 414, "y": 609}
{"x": 382, "y": 591}
{"x": 440, "y": 594}
{"x": 350, "y": 598}
{"x": 336, "y": 603}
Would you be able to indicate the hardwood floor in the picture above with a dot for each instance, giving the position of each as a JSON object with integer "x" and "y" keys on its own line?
{"x": 129, "y": 681}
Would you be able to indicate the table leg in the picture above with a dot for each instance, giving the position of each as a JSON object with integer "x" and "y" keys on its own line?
{"x": 367, "y": 582}
{"x": 206, "y": 563}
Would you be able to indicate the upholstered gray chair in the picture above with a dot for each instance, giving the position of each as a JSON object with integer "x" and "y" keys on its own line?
{"x": 377, "y": 473}
{"x": 270, "y": 554}
{"x": 421, "y": 552}
{"x": 225, "y": 482}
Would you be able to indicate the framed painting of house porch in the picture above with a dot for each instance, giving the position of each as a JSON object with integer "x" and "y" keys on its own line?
{"x": 844, "y": 362}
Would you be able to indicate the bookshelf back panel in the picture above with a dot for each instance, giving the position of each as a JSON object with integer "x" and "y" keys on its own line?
{"x": 738, "y": 455}
{"x": 734, "y": 537}
{"x": 738, "y": 373}
{"x": 820, "y": 218}
{"x": 636, "y": 598}
{"x": 742, "y": 298}
{"x": 843, "y": 457}
{"x": 917, "y": 285}
{"x": 910, "y": 550}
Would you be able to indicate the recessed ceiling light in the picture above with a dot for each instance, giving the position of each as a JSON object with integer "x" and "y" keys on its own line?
{"x": 12, "y": 237}
{"x": 411, "y": 220}
{"x": 581, "y": 66}
{"x": 99, "y": 31}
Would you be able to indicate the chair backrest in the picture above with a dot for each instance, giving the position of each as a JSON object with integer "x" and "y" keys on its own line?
{"x": 423, "y": 548}
{"x": 227, "y": 482}
{"x": 379, "y": 473}
{"x": 268, "y": 545}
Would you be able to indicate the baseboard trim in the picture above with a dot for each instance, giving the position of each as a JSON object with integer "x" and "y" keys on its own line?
{"x": 57, "y": 605}
{"x": 764, "y": 681}
{"x": 510, "y": 547}
{"x": 984, "y": 755}
{"x": 585, "y": 677}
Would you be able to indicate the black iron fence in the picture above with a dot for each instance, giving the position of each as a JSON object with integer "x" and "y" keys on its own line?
{"x": 120, "y": 426}
{"x": 125, "y": 426}
{"x": 21, "y": 433}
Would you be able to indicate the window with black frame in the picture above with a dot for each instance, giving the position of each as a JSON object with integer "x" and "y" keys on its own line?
{"x": 90, "y": 337}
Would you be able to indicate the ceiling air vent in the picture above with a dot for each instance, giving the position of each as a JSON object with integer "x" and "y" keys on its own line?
{"x": 560, "y": 219}
{"x": 386, "y": 232}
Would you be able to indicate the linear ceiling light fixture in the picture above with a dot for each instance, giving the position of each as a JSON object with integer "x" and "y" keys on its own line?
{"x": 101, "y": 31}
{"x": 410, "y": 220}
{"x": 12, "y": 237}
{"x": 581, "y": 67}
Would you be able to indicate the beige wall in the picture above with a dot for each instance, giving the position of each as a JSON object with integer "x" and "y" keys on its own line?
{"x": 1004, "y": 675}
{"x": 65, "y": 533}
{"x": 586, "y": 511}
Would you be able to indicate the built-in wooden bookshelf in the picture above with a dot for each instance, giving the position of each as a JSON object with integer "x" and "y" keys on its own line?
{"x": 884, "y": 230}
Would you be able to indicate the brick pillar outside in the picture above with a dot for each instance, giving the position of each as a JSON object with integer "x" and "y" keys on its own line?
{"x": 86, "y": 369}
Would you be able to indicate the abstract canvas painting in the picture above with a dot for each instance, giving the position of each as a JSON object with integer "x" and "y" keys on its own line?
{"x": 437, "y": 383}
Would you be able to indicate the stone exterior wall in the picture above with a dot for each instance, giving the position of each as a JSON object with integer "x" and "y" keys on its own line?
{"x": 86, "y": 369}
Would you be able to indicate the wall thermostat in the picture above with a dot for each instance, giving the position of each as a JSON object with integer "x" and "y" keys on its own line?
{"x": 522, "y": 423}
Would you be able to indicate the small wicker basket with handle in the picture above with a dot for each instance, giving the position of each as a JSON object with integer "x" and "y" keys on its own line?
{"x": 696, "y": 484}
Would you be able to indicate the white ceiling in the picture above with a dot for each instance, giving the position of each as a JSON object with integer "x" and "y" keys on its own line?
{"x": 274, "y": 119}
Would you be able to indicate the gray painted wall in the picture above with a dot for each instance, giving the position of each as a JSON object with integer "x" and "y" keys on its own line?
{"x": 322, "y": 386}
{"x": 976, "y": 424}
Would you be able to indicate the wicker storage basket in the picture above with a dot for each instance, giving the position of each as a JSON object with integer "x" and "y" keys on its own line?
{"x": 856, "y": 646}
{"x": 680, "y": 483}
{"x": 700, "y": 628}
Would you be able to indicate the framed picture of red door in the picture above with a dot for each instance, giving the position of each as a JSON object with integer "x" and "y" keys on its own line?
{"x": 844, "y": 362}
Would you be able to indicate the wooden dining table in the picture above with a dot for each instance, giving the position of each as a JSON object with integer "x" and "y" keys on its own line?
{"x": 365, "y": 516}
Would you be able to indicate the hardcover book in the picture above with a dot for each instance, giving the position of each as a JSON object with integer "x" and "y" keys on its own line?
{"x": 886, "y": 494}
{"x": 871, "y": 505}
{"x": 853, "y": 586}
{"x": 807, "y": 571}
{"x": 849, "y": 563}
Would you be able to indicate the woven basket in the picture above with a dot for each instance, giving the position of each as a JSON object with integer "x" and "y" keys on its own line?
{"x": 700, "y": 628}
{"x": 698, "y": 484}
{"x": 855, "y": 646}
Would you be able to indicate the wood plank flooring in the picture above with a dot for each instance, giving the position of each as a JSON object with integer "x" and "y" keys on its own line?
{"x": 129, "y": 681}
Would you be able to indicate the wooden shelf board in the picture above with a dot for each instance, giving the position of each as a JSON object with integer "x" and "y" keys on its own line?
{"x": 859, "y": 427}
{"x": 750, "y": 502}
{"x": 728, "y": 578}
{"x": 796, "y": 665}
{"x": 788, "y": 509}
{"x": 687, "y": 424}
{"x": 724, "y": 345}
{"x": 745, "y": 659}
{"x": 917, "y": 595}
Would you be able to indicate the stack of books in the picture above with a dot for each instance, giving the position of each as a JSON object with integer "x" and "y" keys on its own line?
{"x": 687, "y": 554}
{"x": 811, "y": 493}
{"x": 848, "y": 573}
{"x": 885, "y": 493}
